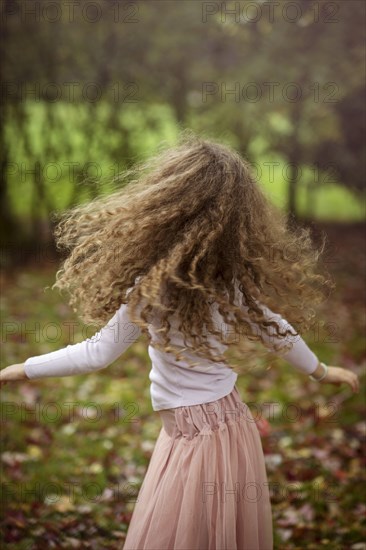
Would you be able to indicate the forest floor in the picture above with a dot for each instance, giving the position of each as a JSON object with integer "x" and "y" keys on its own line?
{"x": 74, "y": 450}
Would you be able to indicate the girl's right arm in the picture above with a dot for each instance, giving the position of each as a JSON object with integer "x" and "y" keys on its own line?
{"x": 92, "y": 354}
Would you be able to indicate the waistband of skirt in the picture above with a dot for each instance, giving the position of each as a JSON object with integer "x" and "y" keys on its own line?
{"x": 227, "y": 409}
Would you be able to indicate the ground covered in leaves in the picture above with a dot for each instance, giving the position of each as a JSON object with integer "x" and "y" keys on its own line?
{"x": 74, "y": 450}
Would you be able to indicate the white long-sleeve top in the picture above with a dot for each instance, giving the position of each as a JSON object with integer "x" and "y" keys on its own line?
{"x": 173, "y": 383}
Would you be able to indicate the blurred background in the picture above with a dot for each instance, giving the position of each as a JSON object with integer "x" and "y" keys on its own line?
{"x": 87, "y": 89}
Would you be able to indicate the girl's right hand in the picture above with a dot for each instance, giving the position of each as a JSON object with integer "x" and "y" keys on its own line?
{"x": 13, "y": 373}
{"x": 338, "y": 376}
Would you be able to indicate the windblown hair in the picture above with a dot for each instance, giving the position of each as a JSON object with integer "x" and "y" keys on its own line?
{"x": 190, "y": 223}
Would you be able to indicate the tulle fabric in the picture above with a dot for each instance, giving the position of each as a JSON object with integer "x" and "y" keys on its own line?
{"x": 206, "y": 485}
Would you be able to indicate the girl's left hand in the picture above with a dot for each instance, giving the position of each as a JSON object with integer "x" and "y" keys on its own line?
{"x": 12, "y": 373}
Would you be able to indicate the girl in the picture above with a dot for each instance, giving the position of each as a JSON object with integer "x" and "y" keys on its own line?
{"x": 187, "y": 252}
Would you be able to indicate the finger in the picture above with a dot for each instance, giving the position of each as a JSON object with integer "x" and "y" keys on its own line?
{"x": 349, "y": 381}
{"x": 352, "y": 381}
{"x": 355, "y": 382}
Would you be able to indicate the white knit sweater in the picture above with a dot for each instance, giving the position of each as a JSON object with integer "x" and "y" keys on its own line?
{"x": 173, "y": 383}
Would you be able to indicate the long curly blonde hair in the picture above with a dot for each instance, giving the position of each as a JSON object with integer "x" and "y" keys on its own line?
{"x": 191, "y": 224}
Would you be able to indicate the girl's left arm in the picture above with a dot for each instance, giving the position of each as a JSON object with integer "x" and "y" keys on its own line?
{"x": 92, "y": 354}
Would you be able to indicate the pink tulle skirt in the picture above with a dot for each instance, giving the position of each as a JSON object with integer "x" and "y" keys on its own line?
{"x": 206, "y": 485}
